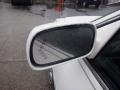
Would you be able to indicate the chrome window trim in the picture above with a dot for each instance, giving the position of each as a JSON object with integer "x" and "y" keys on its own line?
{"x": 108, "y": 21}
{"x": 106, "y": 17}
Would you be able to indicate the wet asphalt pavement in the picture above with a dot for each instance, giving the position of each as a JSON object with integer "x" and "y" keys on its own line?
{"x": 15, "y": 25}
{"x": 15, "y": 73}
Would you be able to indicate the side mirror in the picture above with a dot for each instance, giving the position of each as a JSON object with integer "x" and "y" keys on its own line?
{"x": 51, "y": 44}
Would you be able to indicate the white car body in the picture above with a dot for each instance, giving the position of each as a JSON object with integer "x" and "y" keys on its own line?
{"x": 76, "y": 75}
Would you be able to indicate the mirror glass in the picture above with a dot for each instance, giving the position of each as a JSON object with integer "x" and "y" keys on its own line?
{"x": 60, "y": 44}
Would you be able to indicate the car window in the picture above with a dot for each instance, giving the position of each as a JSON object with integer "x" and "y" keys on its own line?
{"x": 107, "y": 63}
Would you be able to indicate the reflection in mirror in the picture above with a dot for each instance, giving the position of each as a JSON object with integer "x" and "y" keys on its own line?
{"x": 62, "y": 43}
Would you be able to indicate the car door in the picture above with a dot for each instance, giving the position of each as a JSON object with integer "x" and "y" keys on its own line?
{"x": 107, "y": 62}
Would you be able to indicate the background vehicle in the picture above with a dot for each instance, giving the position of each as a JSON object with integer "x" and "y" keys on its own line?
{"x": 92, "y": 2}
{"x": 100, "y": 70}
{"x": 21, "y": 2}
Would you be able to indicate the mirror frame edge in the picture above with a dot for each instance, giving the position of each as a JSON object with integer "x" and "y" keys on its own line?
{"x": 41, "y": 28}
